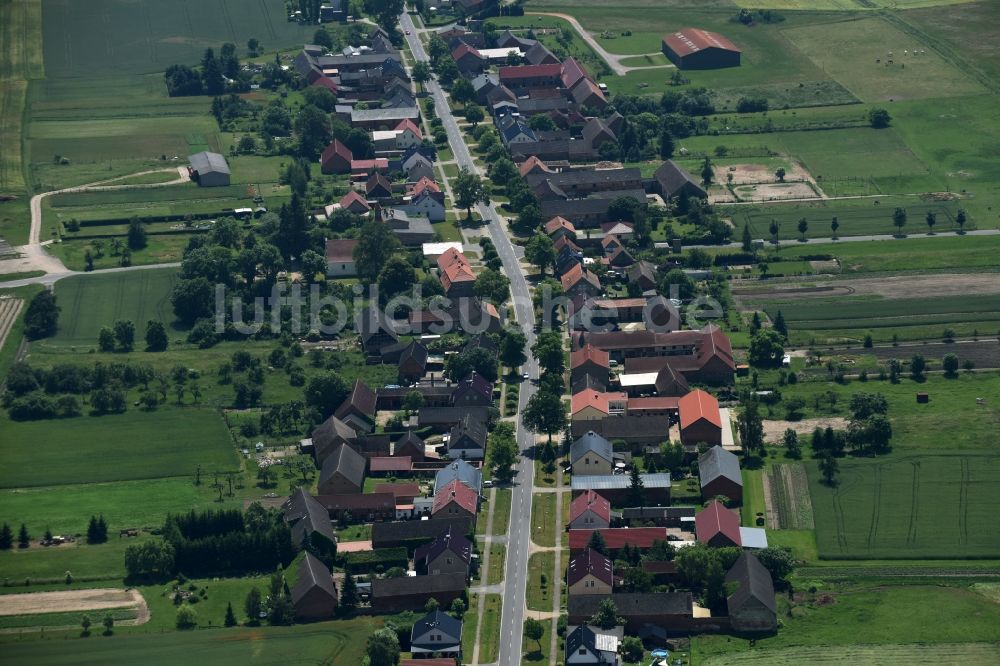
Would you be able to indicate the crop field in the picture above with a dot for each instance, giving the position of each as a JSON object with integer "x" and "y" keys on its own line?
{"x": 787, "y": 497}
{"x": 920, "y": 506}
{"x": 20, "y": 62}
{"x": 966, "y": 653}
{"x": 136, "y": 445}
{"x": 91, "y": 302}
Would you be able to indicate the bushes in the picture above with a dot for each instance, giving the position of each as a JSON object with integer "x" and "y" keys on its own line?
{"x": 364, "y": 562}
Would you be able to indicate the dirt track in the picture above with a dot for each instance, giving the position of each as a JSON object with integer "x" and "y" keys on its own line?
{"x": 75, "y": 600}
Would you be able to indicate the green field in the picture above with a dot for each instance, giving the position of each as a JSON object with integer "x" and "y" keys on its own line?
{"x": 20, "y": 62}
{"x": 501, "y": 511}
{"x": 90, "y": 302}
{"x": 489, "y": 632}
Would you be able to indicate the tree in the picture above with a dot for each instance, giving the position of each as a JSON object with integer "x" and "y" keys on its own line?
{"x": 193, "y": 299}
{"x": 596, "y": 542}
{"x": 790, "y": 441}
{"x": 636, "y": 487}
{"x": 803, "y": 227}
{"x": 458, "y": 608}
{"x": 512, "y": 345}
{"x": 706, "y": 172}
{"x": 253, "y": 606}
{"x": 548, "y": 349}
{"x": 125, "y": 334}
{"x": 931, "y": 220}
{"x": 632, "y": 649}
{"x": 540, "y": 252}
{"x": 383, "y": 648}
{"x": 607, "y": 616}
{"x": 829, "y": 468}
{"x": 546, "y": 413}
{"x": 780, "y": 174}
{"x": 502, "y": 172}
{"x": 376, "y": 243}
{"x": 474, "y": 114}
{"x": 421, "y": 73}
{"x": 751, "y": 428}
{"x": 230, "y": 620}
{"x": 156, "y": 336}
{"x": 503, "y": 453}
{"x": 542, "y": 123}
{"x": 780, "y": 326}
{"x": 186, "y": 617}
{"x": 253, "y": 46}
{"x": 773, "y": 229}
{"x": 676, "y": 284}
{"x": 313, "y": 264}
{"x": 109, "y": 625}
{"x": 136, "y": 234}
{"x": 6, "y": 537}
{"x": 469, "y": 191}
{"x": 325, "y": 392}
{"x": 312, "y": 126}
{"x": 950, "y": 364}
{"x": 960, "y": 220}
{"x": 666, "y": 144}
{"x": 747, "y": 239}
{"x": 766, "y": 348}
{"x": 917, "y": 366}
{"x": 349, "y": 593}
{"x": 879, "y": 118}
{"x": 462, "y": 91}
{"x": 396, "y": 277}
{"x": 42, "y": 316}
{"x": 492, "y": 285}
{"x": 865, "y": 405}
{"x": 834, "y": 225}
{"x": 899, "y": 219}
{"x": 533, "y": 631}
{"x": 152, "y": 559}
{"x": 23, "y": 540}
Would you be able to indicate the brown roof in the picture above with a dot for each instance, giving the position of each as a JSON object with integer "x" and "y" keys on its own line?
{"x": 589, "y": 562}
{"x": 529, "y": 71}
{"x": 399, "y": 489}
{"x": 698, "y": 405}
{"x": 361, "y": 400}
{"x": 349, "y": 200}
{"x": 617, "y": 537}
{"x": 589, "y": 500}
{"x": 341, "y": 250}
{"x": 715, "y": 519}
{"x": 577, "y": 273}
{"x": 589, "y": 353}
{"x": 691, "y": 40}
{"x": 571, "y": 72}
{"x": 390, "y": 464}
{"x": 358, "y": 502}
{"x": 557, "y": 223}
{"x": 531, "y": 163}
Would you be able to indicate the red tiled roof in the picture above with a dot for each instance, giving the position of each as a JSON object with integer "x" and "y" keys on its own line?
{"x": 456, "y": 272}
{"x": 399, "y": 489}
{"x": 390, "y": 464}
{"x": 557, "y": 223}
{"x": 571, "y": 72}
{"x": 529, "y": 71}
{"x": 563, "y": 241}
{"x": 589, "y": 353}
{"x": 714, "y": 519}
{"x": 691, "y": 40}
{"x": 336, "y": 148}
{"x": 341, "y": 251}
{"x": 589, "y": 562}
{"x": 529, "y": 164}
{"x": 449, "y": 257}
{"x": 577, "y": 273}
{"x": 407, "y": 124}
{"x": 590, "y": 500}
{"x": 456, "y": 492}
{"x": 425, "y": 183}
{"x": 464, "y": 49}
{"x": 367, "y": 165}
{"x": 354, "y": 197}
{"x": 698, "y": 405}
{"x": 617, "y": 537}
{"x": 326, "y": 82}
{"x": 595, "y": 399}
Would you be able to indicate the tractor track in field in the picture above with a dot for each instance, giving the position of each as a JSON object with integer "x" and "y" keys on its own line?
{"x": 963, "y": 504}
{"x": 838, "y": 514}
{"x": 876, "y": 506}
{"x": 911, "y": 532}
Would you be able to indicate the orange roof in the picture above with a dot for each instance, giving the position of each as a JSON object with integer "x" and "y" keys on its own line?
{"x": 589, "y": 353}
{"x": 354, "y": 197}
{"x": 557, "y": 223}
{"x": 531, "y": 164}
{"x": 456, "y": 272}
{"x": 596, "y": 399}
{"x": 407, "y": 124}
{"x": 562, "y": 241}
{"x": 456, "y": 492}
{"x": 698, "y": 405}
{"x": 577, "y": 273}
{"x": 449, "y": 257}
{"x": 424, "y": 183}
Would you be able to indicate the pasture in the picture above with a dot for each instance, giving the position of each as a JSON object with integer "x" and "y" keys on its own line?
{"x": 878, "y": 62}
{"x": 949, "y": 26}
{"x": 160, "y": 248}
{"x": 20, "y": 62}
{"x": 90, "y": 302}
{"x": 138, "y": 444}
{"x": 915, "y": 506}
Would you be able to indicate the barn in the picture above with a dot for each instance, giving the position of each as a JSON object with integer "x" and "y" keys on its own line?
{"x": 208, "y": 169}
{"x": 694, "y": 48}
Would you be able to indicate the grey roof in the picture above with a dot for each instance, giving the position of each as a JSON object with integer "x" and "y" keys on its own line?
{"x": 407, "y": 585}
{"x": 618, "y": 481}
{"x": 461, "y": 470}
{"x": 348, "y": 462}
{"x": 311, "y": 574}
{"x": 587, "y": 176}
{"x": 511, "y": 127}
{"x": 593, "y": 639}
{"x": 206, "y": 162}
{"x": 453, "y": 541}
{"x": 439, "y": 620}
{"x": 633, "y": 605}
{"x": 672, "y": 178}
{"x": 383, "y": 533}
{"x": 538, "y": 54}
{"x": 306, "y": 515}
{"x": 596, "y": 204}
{"x": 754, "y": 582}
{"x": 370, "y": 59}
{"x": 718, "y": 462}
{"x": 590, "y": 442}
{"x": 371, "y": 322}
{"x": 371, "y": 115}
{"x": 485, "y": 79}
{"x": 330, "y": 430}
{"x": 471, "y": 427}
{"x": 661, "y": 512}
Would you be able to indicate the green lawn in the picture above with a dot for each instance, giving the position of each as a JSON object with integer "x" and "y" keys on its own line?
{"x": 171, "y": 441}
{"x": 501, "y": 511}
{"x": 537, "y": 652}
{"x": 470, "y": 626}
{"x": 539, "y": 597}
{"x": 802, "y": 543}
{"x": 489, "y": 633}
{"x": 753, "y": 496}
{"x": 498, "y": 554}
{"x": 543, "y": 519}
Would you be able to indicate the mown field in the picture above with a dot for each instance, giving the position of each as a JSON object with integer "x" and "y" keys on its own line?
{"x": 20, "y": 62}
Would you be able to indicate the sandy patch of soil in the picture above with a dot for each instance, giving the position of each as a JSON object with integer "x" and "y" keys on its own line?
{"x": 65, "y": 601}
{"x": 774, "y": 430}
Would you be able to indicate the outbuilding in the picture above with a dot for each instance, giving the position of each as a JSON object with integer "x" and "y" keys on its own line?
{"x": 209, "y": 169}
{"x": 694, "y": 48}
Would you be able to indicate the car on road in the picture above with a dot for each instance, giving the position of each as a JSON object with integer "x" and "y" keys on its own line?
{"x": 407, "y": 32}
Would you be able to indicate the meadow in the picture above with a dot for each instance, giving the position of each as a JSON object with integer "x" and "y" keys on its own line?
{"x": 20, "y": 62}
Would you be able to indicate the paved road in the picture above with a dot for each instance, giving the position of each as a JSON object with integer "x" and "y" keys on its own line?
{"x": 512, "y": 618}
{"x": 847, "y": 239}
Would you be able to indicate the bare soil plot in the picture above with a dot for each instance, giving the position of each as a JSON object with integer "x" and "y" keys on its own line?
{"x": 9, "y": 309}
{"x": 65, "y": 601}
{"x": 898, "y": 286}
{"x": 774, "y": 430}
{"x": 787, "y": 502}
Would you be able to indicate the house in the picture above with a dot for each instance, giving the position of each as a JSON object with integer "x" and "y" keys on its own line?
{"x": 620, "y": 258}
{"x": 451, "y": 31}
{"x": 673, "y": 181}
{"x": 306, "y": 517}
{"x": 468, "y": 60}
{"x": 411, "y": 230}
{"x": 359, "y": 508}
{"x": 559, "y": 227}
{"x": 409, "y": 445}
{"x": 425, "y": 204}
{"x": 616, "y": 487}
{"x": 375, "y": 330}
{"x": 589, "y": 572}
{"x": 700, "y": 420}
{"x": 671, "y": 611}
{"x": 413, "y": 533}
{"x": 448, "y": 553}
{"x": 336, "y": 10}
{"x": 524, "y": 77}
{"x": 593, "y": 405}
{"x": 430, "y": 186}
{"x": 358, "y": 409}
{"x": 473, "y": 391}
{"x": 437, "y": 633}
{"x": 752, "y": 607}
{"x": 578, "y": 280}
{"x": 353, "y": 202}
{"x": 455, "y": 273}
{"x": 587, "y": 95}
{"x": 588, "y": 383}
{"x": 336, "y": 158}
{"x": 417, "y": 165}
{"x": 340, "y": 258}
{"x": 566, "y": 242}
{"x": 591, "y": 454}
{"x": 455, "y": 500}
{"x": 589, "y": 511}
{"x": 717, "y": 526}
{"x": 719, "y": 474}
{"x": 382, "y": 118}
{"x": 208, "y": 169}
{"x": 533, "y": 165}
{"x": 616, "y": 538}
{"x": 514, "y": 129}
{"x": 589, "y": 361}
{"x": 412, "y": 362}
{"x": 586, "y": 644}
{"x": 567, "y": 258}
{"x": 508, "y": 39}
{"x": 483, "y": 85}
{"x": 313, "y": 594}
{"x": 461, "y": 471}
{"x": 596, "y": 133}
{"x": 329, "y": 435}
{"x": 642, "y": 273}
{"x": 468, "y": 439}
{"x": 378, "y": 187}
{"x": 693, "y": 48}
{"x": 342, "y": 473}
{"x": 394, "y": 595}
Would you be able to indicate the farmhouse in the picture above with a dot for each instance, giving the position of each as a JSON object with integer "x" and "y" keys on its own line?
{"x": 468, "y": 437}
{"x": 693, "y": 48}
{"x": 209, "y": 169}
{"x": 587, "y": 644}
{"x": 455, "y": 500}
{"x": 671, "y": 611}
{"x": 307, "y": 517}
{"x": 461, "y": 471}
{"x": 589, "y": 572}
{"x": 671, "y": 180}
{"x": 448, "y": 553}
{"x": 343, "y": 472}
{"x": 589, "y": 361}
{"x": 589, "y": 511}
{"x": 329, "y": 435}
{"x": 752, "y": 607}
{"x": 313, "y": 593}
{"x": 719, "y": 472}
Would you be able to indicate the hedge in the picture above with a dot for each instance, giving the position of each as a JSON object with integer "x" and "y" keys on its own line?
{"x": 365, "y": 562}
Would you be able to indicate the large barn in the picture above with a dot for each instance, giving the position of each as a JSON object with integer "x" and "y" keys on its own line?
{"x": 209, "y": 169}
{"x": 694, "y": 48}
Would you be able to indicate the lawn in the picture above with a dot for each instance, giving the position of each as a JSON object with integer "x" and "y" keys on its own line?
{"x": 845, "y": 617}
{"x": 543, "y": 519}
{"x": 489, "y": 633}
{"x": 103, "y": 562}
{"x": 335, "y": 642}
{"x": 538, "y": 596}
{"x": 470, "y": 625}
{"x": 753, "y": 496}
{"x": 160, "y": 249}
{"x": 172, "y": 441}
{"x": 537, "y": 652}
{"x": 90, "y": 302}
{"x": 498, "y": 553}
{"x": 501, "y": 511}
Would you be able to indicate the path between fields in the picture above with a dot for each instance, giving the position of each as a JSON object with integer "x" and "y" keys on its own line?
{"x": 843, "y": 239}
{"x": 72, "y": 601}
{"x": 613, "y": 60}
{"x": 33, "y": 255}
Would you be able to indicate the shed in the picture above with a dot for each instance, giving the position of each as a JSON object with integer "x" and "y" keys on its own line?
{"x": 209, "y": 169}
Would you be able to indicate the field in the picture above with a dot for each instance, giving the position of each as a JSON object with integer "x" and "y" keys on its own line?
{"x": 501, "y": 511}
{"x": 489, "y": 633}
{"x": 789, "y": 506}
{"x": 20, "y": 62}
{"x": 90, "y": 302}
{"x": 950, "y": 27}
{"x": 966, "y": 653}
